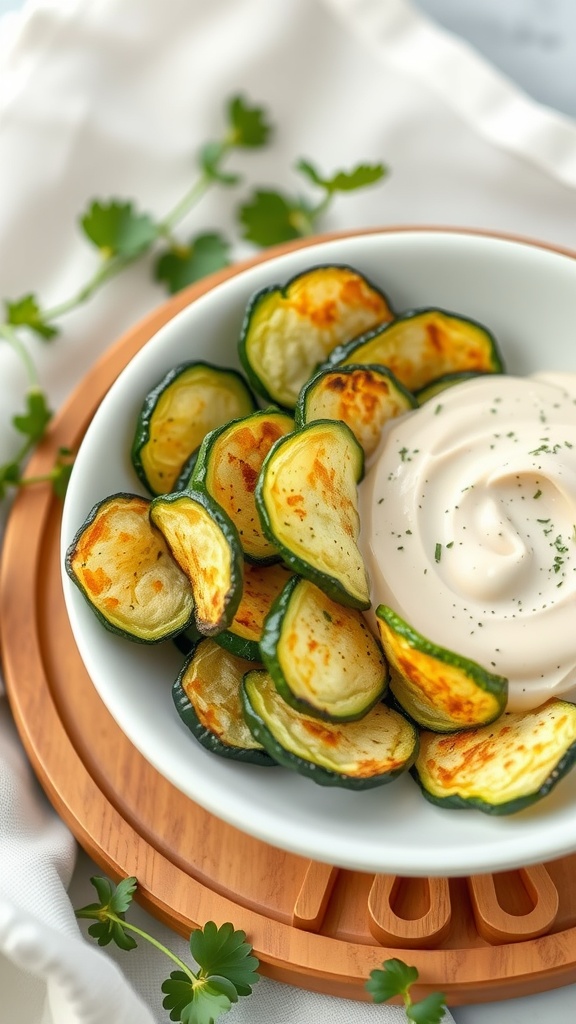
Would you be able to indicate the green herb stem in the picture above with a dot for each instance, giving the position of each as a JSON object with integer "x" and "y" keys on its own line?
{"x": 185, "y": 204}
{"x": 108, "y": 915}
{"x": 110, "y": 267}
{"x": 11, "y": 336}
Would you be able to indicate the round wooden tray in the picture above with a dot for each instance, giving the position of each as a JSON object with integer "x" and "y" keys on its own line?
{"x": 477, "y": 939}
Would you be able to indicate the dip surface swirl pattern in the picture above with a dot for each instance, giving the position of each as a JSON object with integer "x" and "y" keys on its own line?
{"x": 468, "y": 515}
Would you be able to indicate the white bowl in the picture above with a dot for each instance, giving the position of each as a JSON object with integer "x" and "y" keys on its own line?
{"x": 526, "y": 294}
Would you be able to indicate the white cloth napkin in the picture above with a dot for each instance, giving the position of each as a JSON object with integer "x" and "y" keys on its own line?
{"x": 103, "y": 98}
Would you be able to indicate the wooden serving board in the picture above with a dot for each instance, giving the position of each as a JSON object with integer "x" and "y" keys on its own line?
{"x": 477, "y": 939}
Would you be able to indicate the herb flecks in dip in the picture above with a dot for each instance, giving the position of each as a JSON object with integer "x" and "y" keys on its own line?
{"x": 468, "y": 519}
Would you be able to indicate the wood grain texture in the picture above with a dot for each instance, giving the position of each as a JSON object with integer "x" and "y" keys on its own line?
{"x": 310, "y": 925}
{"x": 409, "y": 913}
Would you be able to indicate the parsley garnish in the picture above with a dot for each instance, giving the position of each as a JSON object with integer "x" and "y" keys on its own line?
{"x": 226, "y": 967}
{"x": 437, "y": 552}
{"x": 25, "y": 312}
{"x": 270, "y": 216}
{"x": 121, "y": 233}
{"x": 396, "y": 979}
{"x": 184, "y": 264}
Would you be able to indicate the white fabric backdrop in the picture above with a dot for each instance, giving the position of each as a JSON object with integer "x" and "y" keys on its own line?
{"x": 114, "y": 98}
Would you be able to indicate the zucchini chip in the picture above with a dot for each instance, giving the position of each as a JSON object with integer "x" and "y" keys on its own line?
{"x": 262, "y": 585}
{"x": 306, "y": 497}
{"x": 183, "y": 481}
{"x": 440, "y": 690}
{"x": 206, "y": 695}
{"x": 500, "y": 768}
{"x": 190, "y": 400}
{"x": 228, "y": 465}
{"x": 126, "y": 572}
{"x": 323, "y": 658}
{"x": 205, "y": 544}
{"x": 436, "y": 387}
{"x": 288, "y": 331}
{"x": 364, "y": 397}
{"x": 354, "y": 755}
{"x": 425, "y": 344}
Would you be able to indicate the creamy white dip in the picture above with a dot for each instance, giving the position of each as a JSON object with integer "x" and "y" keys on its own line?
{"x": 468, "y": 516}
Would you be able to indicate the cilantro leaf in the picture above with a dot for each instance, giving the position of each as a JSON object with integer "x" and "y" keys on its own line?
{"x": 429, "y": 1010}
{"x": 248, "y": 124}
{"x": 344, "y": 181}
{"x": 25, "y": 312}
{"x": 33, "y": 422}
{"x": 61, "y": 472}
{"x": 210, "y": 156}
{"x": 270, "y": 217}
{"x": 203, "y": 255}
{"x": 121, "y": 897}
{"x": 10, "y": 475}
{"x": 110, "y": 931}
{"x": 109, "y": 912}
{"x": 117, "y": 229}
{"x": 199, "y": 1002}
{"x": 394, "y": 980}
{"x": 397, "y": 979}
{"x": 224, "y": 951}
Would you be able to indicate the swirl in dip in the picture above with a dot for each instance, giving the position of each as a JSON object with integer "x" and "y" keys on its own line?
{"x": 468, "y": 515}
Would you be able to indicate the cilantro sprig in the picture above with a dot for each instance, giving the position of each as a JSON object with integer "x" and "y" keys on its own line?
{"x": 226, "y": 967}
{"x": 396, "y": 979}
{"x": 122, "y": 233}
{"x": 271, "y": 217}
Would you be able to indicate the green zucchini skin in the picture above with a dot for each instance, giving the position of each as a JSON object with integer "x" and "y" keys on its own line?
{"x": 208, "y": 737}
{"x": 186, "y": 436}
{"x": 263, "y": 730}
{"x": 242, "y": 648}
{"x": 438, "y": 689}
{"x": 431, "y": 773}
{"x": 440, "y": 384}
{"x": 364, "y": 396}
{"x": 184, "y": 479}
{"x": 289, "y": 665}
{"x": 283, "y": 526}
{"x": 227, "y": 467}
{"x": 417, "y": 362}
{"x": 319, "y": 308}
{"x": 77, "y": 572}
{"x": 197, "y": 561}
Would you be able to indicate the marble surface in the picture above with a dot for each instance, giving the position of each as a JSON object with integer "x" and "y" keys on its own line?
{"x": 532, "y": 41}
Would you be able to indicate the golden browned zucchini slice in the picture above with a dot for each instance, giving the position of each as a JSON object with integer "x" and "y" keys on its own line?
{"x": 207, "y": 698}
{"x": 288, "y": 331}
{"x": 501, "y": 768}
{"x": 190, "y": 400}
{"x": 354, "y": 755}
{"x": 364, "y": 397}
{"x": 126, "y": 572}
{"x": 262, "y": 585}
{"x": 439, "y": 689}
{"x": 306, "y": 497}
{"x": 425, "y": 344}
{"x": 205, "y": 544}
{"x": 323, "y": 658}
{"x": 227, "y": 467}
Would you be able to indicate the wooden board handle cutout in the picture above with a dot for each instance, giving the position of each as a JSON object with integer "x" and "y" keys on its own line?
{"x": 421, "y": 919}
{"x": 497, "y": 924}
{"x": 314, "y": 895}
